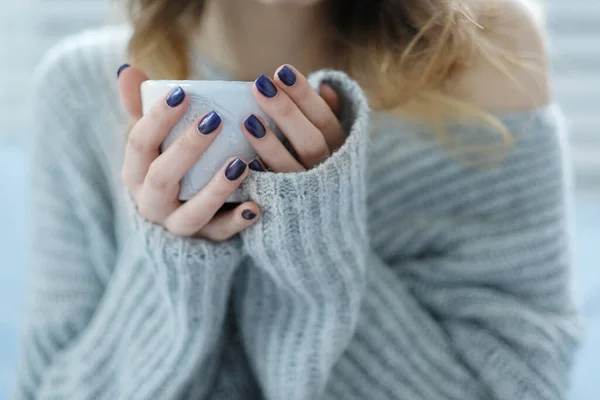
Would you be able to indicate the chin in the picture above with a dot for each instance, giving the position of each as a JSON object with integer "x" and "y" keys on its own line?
{"x": 289, "y": 2}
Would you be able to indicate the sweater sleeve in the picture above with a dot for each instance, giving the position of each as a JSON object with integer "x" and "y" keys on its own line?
{"x": 106, "y": 317}
{"x": 485, "y": 313}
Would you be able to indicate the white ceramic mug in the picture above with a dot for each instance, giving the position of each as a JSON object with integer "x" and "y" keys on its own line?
{"x": 233, "y": 101}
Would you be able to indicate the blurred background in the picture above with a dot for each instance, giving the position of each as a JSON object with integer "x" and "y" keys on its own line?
{"x": 29, "y": 27}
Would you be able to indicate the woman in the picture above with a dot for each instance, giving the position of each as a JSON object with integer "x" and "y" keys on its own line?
{"x": 386, "y": 260}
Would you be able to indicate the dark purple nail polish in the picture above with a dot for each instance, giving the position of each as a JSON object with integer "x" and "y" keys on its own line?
{"x": 121, "y": 68}
{"x": 255, "y": 127}
{"x": 266, "y": 87}
{"x": 256, "y": 166}
{"x": 176, "y": 97}
{"x": 248, "y": 215}
{"x": 209, "y": 123}
{"x": 287, "y": 76}
{"x": 235, "y": 169}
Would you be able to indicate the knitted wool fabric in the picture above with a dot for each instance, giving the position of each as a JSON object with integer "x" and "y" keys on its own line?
{"x": 390, "y": 271}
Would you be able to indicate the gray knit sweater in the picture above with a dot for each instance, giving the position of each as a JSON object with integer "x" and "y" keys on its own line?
{"x": 394, "y": 270}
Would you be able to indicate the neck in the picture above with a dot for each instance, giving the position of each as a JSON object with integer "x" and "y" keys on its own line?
{"x": 249, "y": 39}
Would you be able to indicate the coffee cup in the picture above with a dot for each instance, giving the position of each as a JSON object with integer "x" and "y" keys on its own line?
{"x": 233, "y": 101}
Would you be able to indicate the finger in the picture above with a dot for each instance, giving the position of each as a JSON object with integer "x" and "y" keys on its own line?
{"x": 269, "y": 147}
{"x": 177, "y": 159}
{"x": 193, "y": 215}
{"x": 130, "y": 81}
{"x": 313, "y": 106}
{"x": 168, "y": 169}
{"x": 148, "y": 133}
{"x": 307, "y": 140}
{"x": 227, "y": 224}
{"x": 331, "y": 98}
{"x": 257, "y": 165}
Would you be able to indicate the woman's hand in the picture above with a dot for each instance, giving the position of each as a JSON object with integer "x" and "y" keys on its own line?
{"x": 306, "y": 118}
{"x": 153, "y": 178}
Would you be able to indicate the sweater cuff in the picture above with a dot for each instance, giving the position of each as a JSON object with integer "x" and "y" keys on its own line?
{"x": 173, "y": 257}
{"x": 317, "y": 216}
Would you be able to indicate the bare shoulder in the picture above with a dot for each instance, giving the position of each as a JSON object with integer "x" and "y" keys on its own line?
{"x": 510, "y": 71}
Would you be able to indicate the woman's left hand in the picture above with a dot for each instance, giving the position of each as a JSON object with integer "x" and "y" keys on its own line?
{"x": 305, "y": 117}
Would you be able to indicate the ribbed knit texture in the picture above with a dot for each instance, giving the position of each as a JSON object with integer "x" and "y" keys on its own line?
{"x": 394, "y": 270}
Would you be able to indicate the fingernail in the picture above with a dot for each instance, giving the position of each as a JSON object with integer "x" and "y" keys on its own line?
{"x": 235, "y": 169}
{"x": 209, "y": 123}
{"x": 287, "y": 76}
{"x": 256, "y": 166}
{"x": 176, "y": 97}
{"x": 266, "y": 87}
{"x": 248, "y": 215}
{"x": 121, "y": 68}
{"x": 255, "y": 127}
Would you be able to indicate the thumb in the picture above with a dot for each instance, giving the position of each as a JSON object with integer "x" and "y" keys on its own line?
{"x": 130, "y": 81}
{"x": 331, "y": 98}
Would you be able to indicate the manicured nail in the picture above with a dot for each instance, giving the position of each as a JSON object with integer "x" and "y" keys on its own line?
{"x": 121, "y": 68}
{"x": 248, "y": 215}
{"x": 266, "y": 87}
{"x": 209, "y": 123}
{"x": 255, "y": 165}
{"x": 235, "y": 169}
{"x": 255, "y": 127}
{"x": 176, "y": 97}
{"x": 287, "y": 76}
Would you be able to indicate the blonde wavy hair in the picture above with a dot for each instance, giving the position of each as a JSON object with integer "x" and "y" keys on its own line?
{"x": 402, "y": 52}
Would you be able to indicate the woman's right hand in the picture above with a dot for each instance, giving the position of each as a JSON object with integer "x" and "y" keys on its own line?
{"x": 153, "y": 178}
